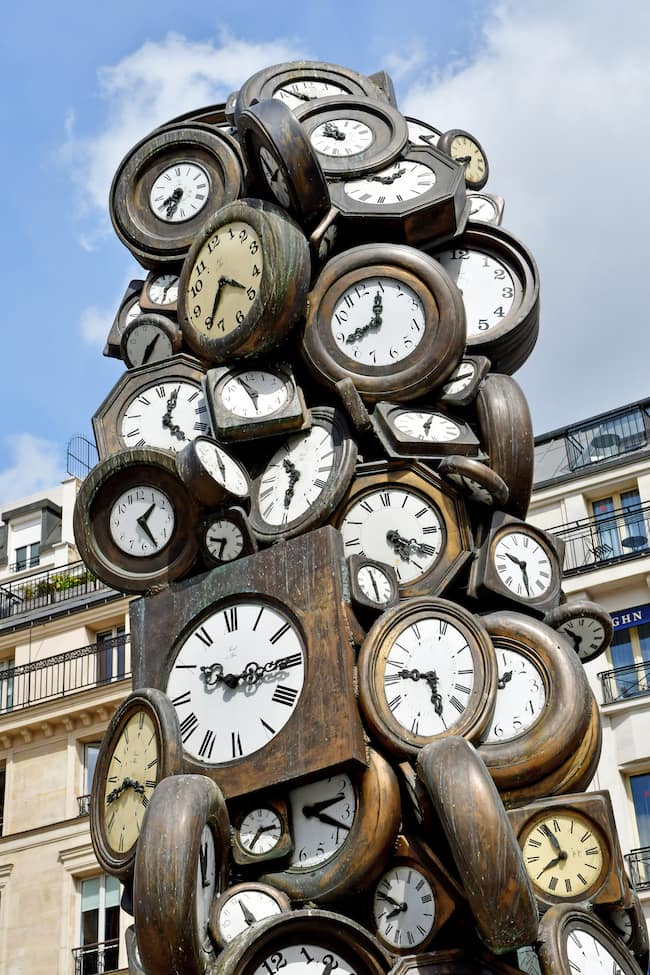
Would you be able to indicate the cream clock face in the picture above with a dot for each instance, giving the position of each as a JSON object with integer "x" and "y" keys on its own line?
{"x": 180, "y": 192}
{"x": 466, "y": 150}
{"x": 167, "y": 415}
{"x": 378, "y": 322}
{"x": 521, "y": 696}
{"x": 130, "y": 781}
{"x": 142, "y": 520}
{"x": 563, "y": 856}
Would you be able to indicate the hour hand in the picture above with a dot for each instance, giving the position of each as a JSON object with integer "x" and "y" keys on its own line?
{"x": 142, "y": 521}
{"x": 249, "y": 917}
{"x": 314, "y": 808}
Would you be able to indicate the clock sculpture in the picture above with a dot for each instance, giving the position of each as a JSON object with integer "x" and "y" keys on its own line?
{"x": 361, "y": 732}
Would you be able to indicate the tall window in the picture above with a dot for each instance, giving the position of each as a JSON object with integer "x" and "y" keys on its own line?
{"x": 6, "y": 684}
{"x": 27, "y": 556}
{"x": 3, "y": 782}
{"x": 630, "y": 652}
{"x": 100, "y": 926}
{"x": 111, "y": 645}
{"x": 620, "y": 525}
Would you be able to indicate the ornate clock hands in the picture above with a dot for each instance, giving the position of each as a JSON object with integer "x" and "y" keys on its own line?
{"x": 249, "y": 917}
{"x": 504, "y": 679}
{"x": 427, "y": 425}
{"x": 252, "y": 674}
{"x": 406, "y": 547}
{"x": 332, "y": 131}
{"x": 294, "y": 477}
{"x": 170, "y": 205}
{"x": 431, "y": 678}
{"x": 373, "y": 324}
{"x": 167, "y": 423}
{"x": 386, "y": 180}
{"x": 127, "y": 783}
{"x": 522, "y": 565}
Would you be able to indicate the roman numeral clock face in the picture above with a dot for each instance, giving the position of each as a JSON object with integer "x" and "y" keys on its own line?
{"x": 236, "y": 681}
{"x": 167, "y": 415}
{"x": 563, "y": 856}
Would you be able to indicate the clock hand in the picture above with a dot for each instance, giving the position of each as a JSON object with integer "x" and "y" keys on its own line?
{"x": 524, "y": 576}
{"x": 515, "y": 560}
{"x": 312, "y": 809}
{"x": 400, "y": 545}
{"x": 463, "y": 159}
{"x": 554, "y": 842}
{"x": 222, "y": 544}
{"x": 249, "y": 917}
{"x": 374, "y": 586}
{"x": 294, "y": 477}
{"x": 551, "y": 863}
{"x": 150, "y": 347}
{"x": 398, "y": 910}
{"x": 324, "y": 817}
{"x": 505, "y": 679}
{"x": 427, "y": 425}
{"x": 332, "y": 131}
{"x": 462, "y": 375}
{"x": 171, "y": 203}
{"x": 299, "y": 94}
{"x": 386, "y": 180}
{"x": 142, "y": 522}
{"x": 254, "y": 395}
{"x": 391, "y": 900}
{"x": 431, "y": 678}
{"x": 374, "y": 323}
{"x": 260, "y": 832}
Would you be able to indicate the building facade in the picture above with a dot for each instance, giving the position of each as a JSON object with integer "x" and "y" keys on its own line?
{"x": 64, "y": 668}
{"x": 592, "y": 488}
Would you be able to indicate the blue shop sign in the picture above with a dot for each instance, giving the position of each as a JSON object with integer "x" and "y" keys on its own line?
{"x": 631, "y": 617}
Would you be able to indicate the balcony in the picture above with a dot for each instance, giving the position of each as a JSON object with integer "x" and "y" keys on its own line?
{"x": 618, "y": 536}
{"x": 624, "y": 683}
{"x": 65, "y": 674}
{"x": 42, "y": 589}
{"x": 94, "y": 959}
{"x": 83, "y": 803}
{"x": 638, "y": 867}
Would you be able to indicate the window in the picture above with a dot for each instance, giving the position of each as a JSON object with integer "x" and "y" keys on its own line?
{"x": 3, "y": 782}
{"x": 27, "y": 556}
{"x": 91, "y": 750}
{"x": 630, "y": 651}
{"x": 100, "y": 926}
{"x": 6, "y": 684}
{"x": 620, "y": 525}
{"x": 111, "y": 645}
{"x": 640, "y": 789}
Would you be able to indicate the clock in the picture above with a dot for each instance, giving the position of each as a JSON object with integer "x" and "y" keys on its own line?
{"x": 465, "y": 149}
{"x": 629, "y": 924}
{"x": 505, "y": 429}
{"x": 475, "y": 479}
{"x": 211, "y": 474}
{"x": 149, "y": 338}
{"x": 499, "y": 281}
{"x": 572, "y": 941}
{"x": 134, "y": 522}
{"x": 246, "y": 656}
{"x": 242, "y": 906}
{"x": 343, "y": 826}
{"x": 422, "y": 431}
{"x": 485, "y": 208}
{"x": 160, "y": 292}
{"x": 244, "y": 281}
{"x": 570, "y": 849}
{"x": 543, "y": 702}
{"x": 386, "y": 317}
{"x": 518, "y": 563}
{"x": 417, "y": 198}
{"x": 305, "y": 478}
{"x": 421, "y": 133}
{"x": 462, "y": 387}
{"x": 180, "y": 866}
{"x": 373, "y": 586}
{"x": 127, "y": 311}
{"x": 427, "y": 670}
{"x": 251, "y": 401}
{"x": 298, "y": 82}
{"x": 587, "y": 626}
{"x": 402, "y": 514}
{"x": 140, "y": 747}
{"x": 168, "y": 185}
{"x": 225, "y": 535}
{"x": 261, "y": 830}
{"x": 497, "y": 887}
{"x": 283, "y": 163}
{"x": 455, "y": 961}
{"x": 159, "y": 405}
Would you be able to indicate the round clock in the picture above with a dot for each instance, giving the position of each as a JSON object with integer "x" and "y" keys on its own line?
{"x": 226, "y": 535}
{"x": 422, "y": 431}
{"x": 242, "y": 906}
{"x": 149, "y": 338}
{"x": 499, "y": 282}
{"x": 629, "y": 924}
{"x": 180, "y": 866}
{"x": 244, "y": 281}
{"x": 475, "y": 479}
{"x": 129, "y": 308}
{"x": 421, "y": 133}
{"x": 386, "y": 317}
{"x": 247, "y": 402}
{"x": 160, "y": 292}
{"x": 140, "y": 747}
{"x": 305, "y": 479}
{"x": 465, "y": 149}
{"x": 134, "y": 521}
{"x": 587, "y": 626}
{"x": 298, "y": 82}
{"x": 485, "y": 207}
{"x": 261, "y": 832}
{"x": 572, "y": 941}
{"x": 463, "y": 385}
{"x": 427, "y": 670}
{"x": 566, "y": 854}
{"x": 211, "y": 474}
{"x": 373, "y": 586}
{"x": 166, "y": 187}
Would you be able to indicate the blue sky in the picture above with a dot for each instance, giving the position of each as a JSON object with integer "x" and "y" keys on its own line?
{"x": 556, "y": 94}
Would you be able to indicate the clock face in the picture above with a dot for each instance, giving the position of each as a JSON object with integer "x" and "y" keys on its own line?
{"x": 378, "y": 322}
{"x": 464, "y": 149}
{"x": 275, "y": 178}
{"x": 164, "y": 289}
{"x": 587, "y": 955}
{"x": 427, "y": 426}
{"x": 482, "y": 208}
{"x": 180, "y": 192}
{"x": 147, "y": 343}
{"x": 422, "y": 134}
{"x": 521, "y": 696}
{"x": 255, "y": 393}
{"x": 322, "y": 815}
{"x": 236, "y": 681}
{"x": 374, "y": 584}
{"x": 396, "y": 526}
{"x": 404, "y": 907}
{"x": 461, "y": 378}
{"x": 206, "y": 886}
{"x": 402, "y": 180}
{"x": 166, "y": 415}
{"x": 585, "y": 633}
{"x": 224, "y": 540}
{"x": 222, "y": 467}
{"x": 296, "y": 93}
{"x": 342, "y": 137}
{"x": 130, "y": 781}
{"x": 563, "y": 856}
{"x": 260, "y": 831}
{"x": 487, "y": 285}
{"x": 304, "y": 959}
{"x": 133, "y": 311}
{"x": 224, "y": 280}
{"x": 522, "y": 565}
{"x": 296, "y": 476}
{"x": 142, "y": 520}
{"x": 245, "y": 908}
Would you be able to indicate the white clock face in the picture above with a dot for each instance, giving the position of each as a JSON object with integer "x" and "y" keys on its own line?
{"x": 378, "y": 322}
{"x": 244, "y": 909}
{"x": 482, "y": 208}
{"x": 275, "y": 178}
{"x": 236, "y": 681}
{"x": 164, "y": 289}
{"x": 260, "y": 830}
{"x": 142, "y": 520}
{"x": 589, "y": 956}
{"x": 487, "y": 286}
{"x": 342, "y": 137}
{"x": 374, "y": 584}
{"x": 521, "y": 696}
{"x": 305, "y": 959}
{"x": 206, "y": 886}
{"x": 402, "y": 180}
{"x": 166, "y": 415}
{"x": 422, "y": 134}
{"x": 322, "y": 814}
{"x": 295, "y": 93}
{"x": 133, "y": 312}
{"x": 255, "y": 393}
{"x": 180, "y": 192}
{"x": 586, "y": 633}
{"x": 522, "y": 565}
{"x": 427, "y": 426}
{"x": 222, "y": 467}
{"x": 404, "y": 907}
{"x": 461, "y": 378}
{"x": 296, "y": 476}
{"x": 428, "y": 676}
{"x": 147, "y": 343}
{"x": 395, "y": 526}
{"x": 224, "y": 540}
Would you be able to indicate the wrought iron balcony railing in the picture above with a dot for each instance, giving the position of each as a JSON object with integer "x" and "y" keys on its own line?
{"x": 28, "y": 563}
{"x": 65, "y": 673}
{"x": 95, "y": 959}
{"x": 83, "y": 802}
{"x": 623, "y": 683}
{"x": 614, "y": 537}
{"x": 44, "y": 588}
{"x": 638, "y": 864}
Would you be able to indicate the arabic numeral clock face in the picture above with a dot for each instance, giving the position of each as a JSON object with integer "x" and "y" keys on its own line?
{"x": 236, "y": 681}
{"x": 521, "y": 695}
{"x": 142, "y": 520}
{"x": 361, "y": 310}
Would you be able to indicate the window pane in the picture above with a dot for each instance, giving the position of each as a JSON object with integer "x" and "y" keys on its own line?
{"x": 627, "y": 682}
{"x": 34, "y": 553}
{"x": 607, "y": 540}
{"x": 635, "y": 532}
{"x": 21, "y": 558}
{"x": 112, "y": 892}
{"x": 641, "y": 797}
{"x": 90, "y": 894}
{"x": 92, "y": 750}
{"x": 644, "y": 639}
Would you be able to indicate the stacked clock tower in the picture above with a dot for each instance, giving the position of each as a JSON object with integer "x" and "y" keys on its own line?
{"x": 361, "y": 734}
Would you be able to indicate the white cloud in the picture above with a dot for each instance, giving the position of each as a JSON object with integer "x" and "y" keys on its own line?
{"x": 95, "y": 324}
{"x": 34, "y": 465}
{"x": 558, "y": 95}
